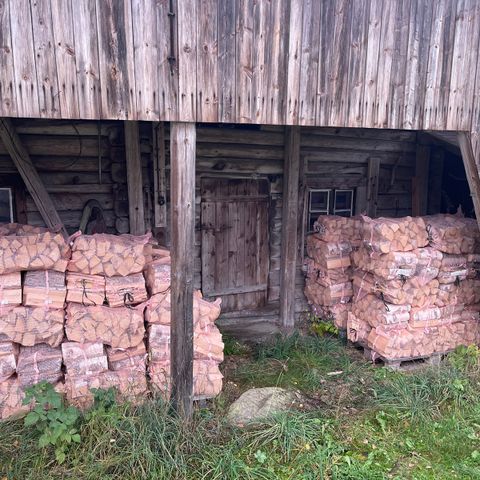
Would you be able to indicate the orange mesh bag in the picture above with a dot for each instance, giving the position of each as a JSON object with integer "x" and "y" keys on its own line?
{"x": 85, "y": 289}
{"x": 11, "y": 289}
{"x": 452, "y": 234}
{"x": 434, "y": 316}
{"x": 129, "y": 290}
{"x": 129, "y": 386}
{"x": 465, "y": 292}
{"x": 11, "y": 399}
{"x": 390, "y": 266}
{"x": 158, "y": 275}
{"x": 158, "y": 342}
{"x": 40, "y": 363}
{"x": 8, "y": 229}
{"x": 84, "y": 358}
{"x": 334, "y": 228}
{"x": 109, "y": 255}
{"x": 328, "y": 296}
{"x": 8, "y": 359}
{"x": 473, "y": 265}
{"x": 385, "y": 235}
{"x": 120, "y": 327}
{"x": 329, "y": 255}
{"x": 453, "y": 269}
{"x": 336, "y": 313}
{"x": 207, "y": 344}
{"x": 41, "y": 251}
{"x": 357, "y": 329}
{"x": 30, "y": 326}
{"x": 132, "y": 359}
{"x": 207, "y": 379}
{"x": 326, "y": 277}
{"x": 44, "y": 289}
{"x": 374, "y": 311}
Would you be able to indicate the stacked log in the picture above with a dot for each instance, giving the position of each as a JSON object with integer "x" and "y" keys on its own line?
{"x": 44, "y": 289}
{"x": 85, "y": 289}
{"x": 40, "y": 363}
{"x": 122, "y": 291}
{"x": 335, "y": 229}
{"x": 10, "y": 290}
{"x": 8, "y": 359}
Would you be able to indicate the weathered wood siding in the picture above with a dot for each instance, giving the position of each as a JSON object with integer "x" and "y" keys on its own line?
{"x": 364, "y": 63}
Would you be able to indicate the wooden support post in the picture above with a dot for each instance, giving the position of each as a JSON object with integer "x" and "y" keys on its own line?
{"x": 471, "y": 169}
{"x": 134, "y": 178}
{"x": 372, "y": 185}
{"x": 420, "y": 181}
{"x": 159, "y": 187}
{"x": 28, "y": 172}
{"x": 289, "y": 227}
{"x": 182, "y": 192}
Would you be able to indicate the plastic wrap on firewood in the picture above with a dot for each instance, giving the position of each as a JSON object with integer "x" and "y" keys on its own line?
{"x": 44, "y": 289}
{"x": 30, "y": 326}
{"x": 385, "y": 235}
{"x": 324, "y": 276}
{"x": 38, "y": 364}
{"x": 41, "y": 251}
{"x": 11, "y": 399}
{"x": 158, "y": 275}
{"x": 376, "y": 312}
{"x": 109, "y": 255}
{"x": 131, "y": 359}
{"x": 8, "y": 359}
{"x": 120, "y": 327}
{"x": 336, "y": 313}
{"x": 158, "y": 336}
{"x": 334, "y": 228}
{"x": 11, "y": 289}
{"x": 411, "y": 291}
{"x": 328, "y": 296}
{"x": 85, "y": 289}
{"x": 129, "y": 385}
{"x": 453, "y": 269}
{"x": 329, "y": 255}
{"x": 84, "y": 358}
{"x": 434, "y": 316}
{"x": 357, "y": 329}
{"x": 465, "y": 292}
{"x": 129, "y": 290}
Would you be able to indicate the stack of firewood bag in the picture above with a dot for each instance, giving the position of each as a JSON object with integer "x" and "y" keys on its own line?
{"x": 416, "y": 292}
{"x": 328, "y": 283}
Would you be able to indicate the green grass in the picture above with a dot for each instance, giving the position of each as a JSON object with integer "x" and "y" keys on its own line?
{"x": 359, "y": 422}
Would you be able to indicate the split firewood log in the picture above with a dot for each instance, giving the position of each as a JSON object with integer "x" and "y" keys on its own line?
{"x": 452, "y": 234}
{"x": 466, "y": 292}
{"x": 385, "y": 235}
{"x": 122, "y": 291}
{"x": 473, "y": 265}
{"x": 453, "y": 269}
{"x": 84, "y": 358}
{"x": 11, "y": 399}
{"x": 158, "y": 338}
{"x": 334, "y": 228}
{"x": 30, "y": 326}
{"x": 357, "y": 329}
{"x": 42, "y": 251}
{"x": 40, "y": 363}
{"x": 11, "y": 289}
{"x": 109, "y": 255}
{"x": 85, "y": 289}
{"x": 131, "y": 359}
{"x": 324, "y": 276}
{"x": 158, "y": 275}
{"x": 120, "y": 327}
{"x": 8, "y": 229}
{"x": 329, "y": 255}
{"x": 8, "y": 359}
{"x": 328, "y": 296}
{"x": 44, "y": 289}
{"x": 338, "y": 314}
{"x": 376, "y": 312}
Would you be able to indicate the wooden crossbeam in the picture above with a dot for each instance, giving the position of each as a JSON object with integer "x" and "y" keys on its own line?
{"x": 29, "y": 174}
{"x": 289, "y": 227}
{"x": 182, "y": 188}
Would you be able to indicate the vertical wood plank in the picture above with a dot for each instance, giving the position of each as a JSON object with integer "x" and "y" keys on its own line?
{"x": 187, "y": 60}
{"x": 226, "y": 60}
{"x": 294, "y": 61}
{"x": 439, "y": 65}
{"x": 46, "y": 68}
{"x": 372, "y": 185}
{"x": 309, "y": 62}
{"x": 86, "y": 52}
{"x": 207, "y": 62}
{"x": 167, "y": 26}
{"x": 356, "y": 62}
{"x": 245, "y": 64}
{"x": 62, "y": 24}
{"x": 471, "y": 169}
{"x": 182, "y": 188}
{"x": 289, "y": 227}
{"x": 115, "y": 48}
{"x": 8, "y": 101}
{"x": 134, "y": 178}
{"x": 24, "y": 59}
{"x": 417, "y": 55}
{"x": 145, "y": 49}
{"x": 159, "y": 177}
{"x": 420, "y": 181}
{"x": 462, "y": 81}
{"x": 371, "y": 68}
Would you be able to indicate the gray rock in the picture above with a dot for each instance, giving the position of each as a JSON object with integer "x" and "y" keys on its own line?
{"x": 258, "y": 403}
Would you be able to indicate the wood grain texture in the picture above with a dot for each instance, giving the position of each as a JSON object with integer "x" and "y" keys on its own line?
{"x": 8, "y": 101}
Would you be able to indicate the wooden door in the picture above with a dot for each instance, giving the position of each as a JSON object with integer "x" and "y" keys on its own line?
{"x": 235, "y": 251}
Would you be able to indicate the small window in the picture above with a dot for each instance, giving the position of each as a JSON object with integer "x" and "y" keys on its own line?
{"x": 6, "y": 205}
{"x": 329, "y": 202}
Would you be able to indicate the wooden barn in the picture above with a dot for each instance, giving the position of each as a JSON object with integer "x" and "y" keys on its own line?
{"x": 227, "y": 126}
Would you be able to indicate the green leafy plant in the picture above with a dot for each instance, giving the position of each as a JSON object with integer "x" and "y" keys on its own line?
{"x": 54, "y": 422}
{"x": 464, "y": 358}
{"x": 321, "y": 326}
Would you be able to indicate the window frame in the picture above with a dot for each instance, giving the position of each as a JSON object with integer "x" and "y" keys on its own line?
{"x": 11, "y": 199}
{"x": 341, "y": 190}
